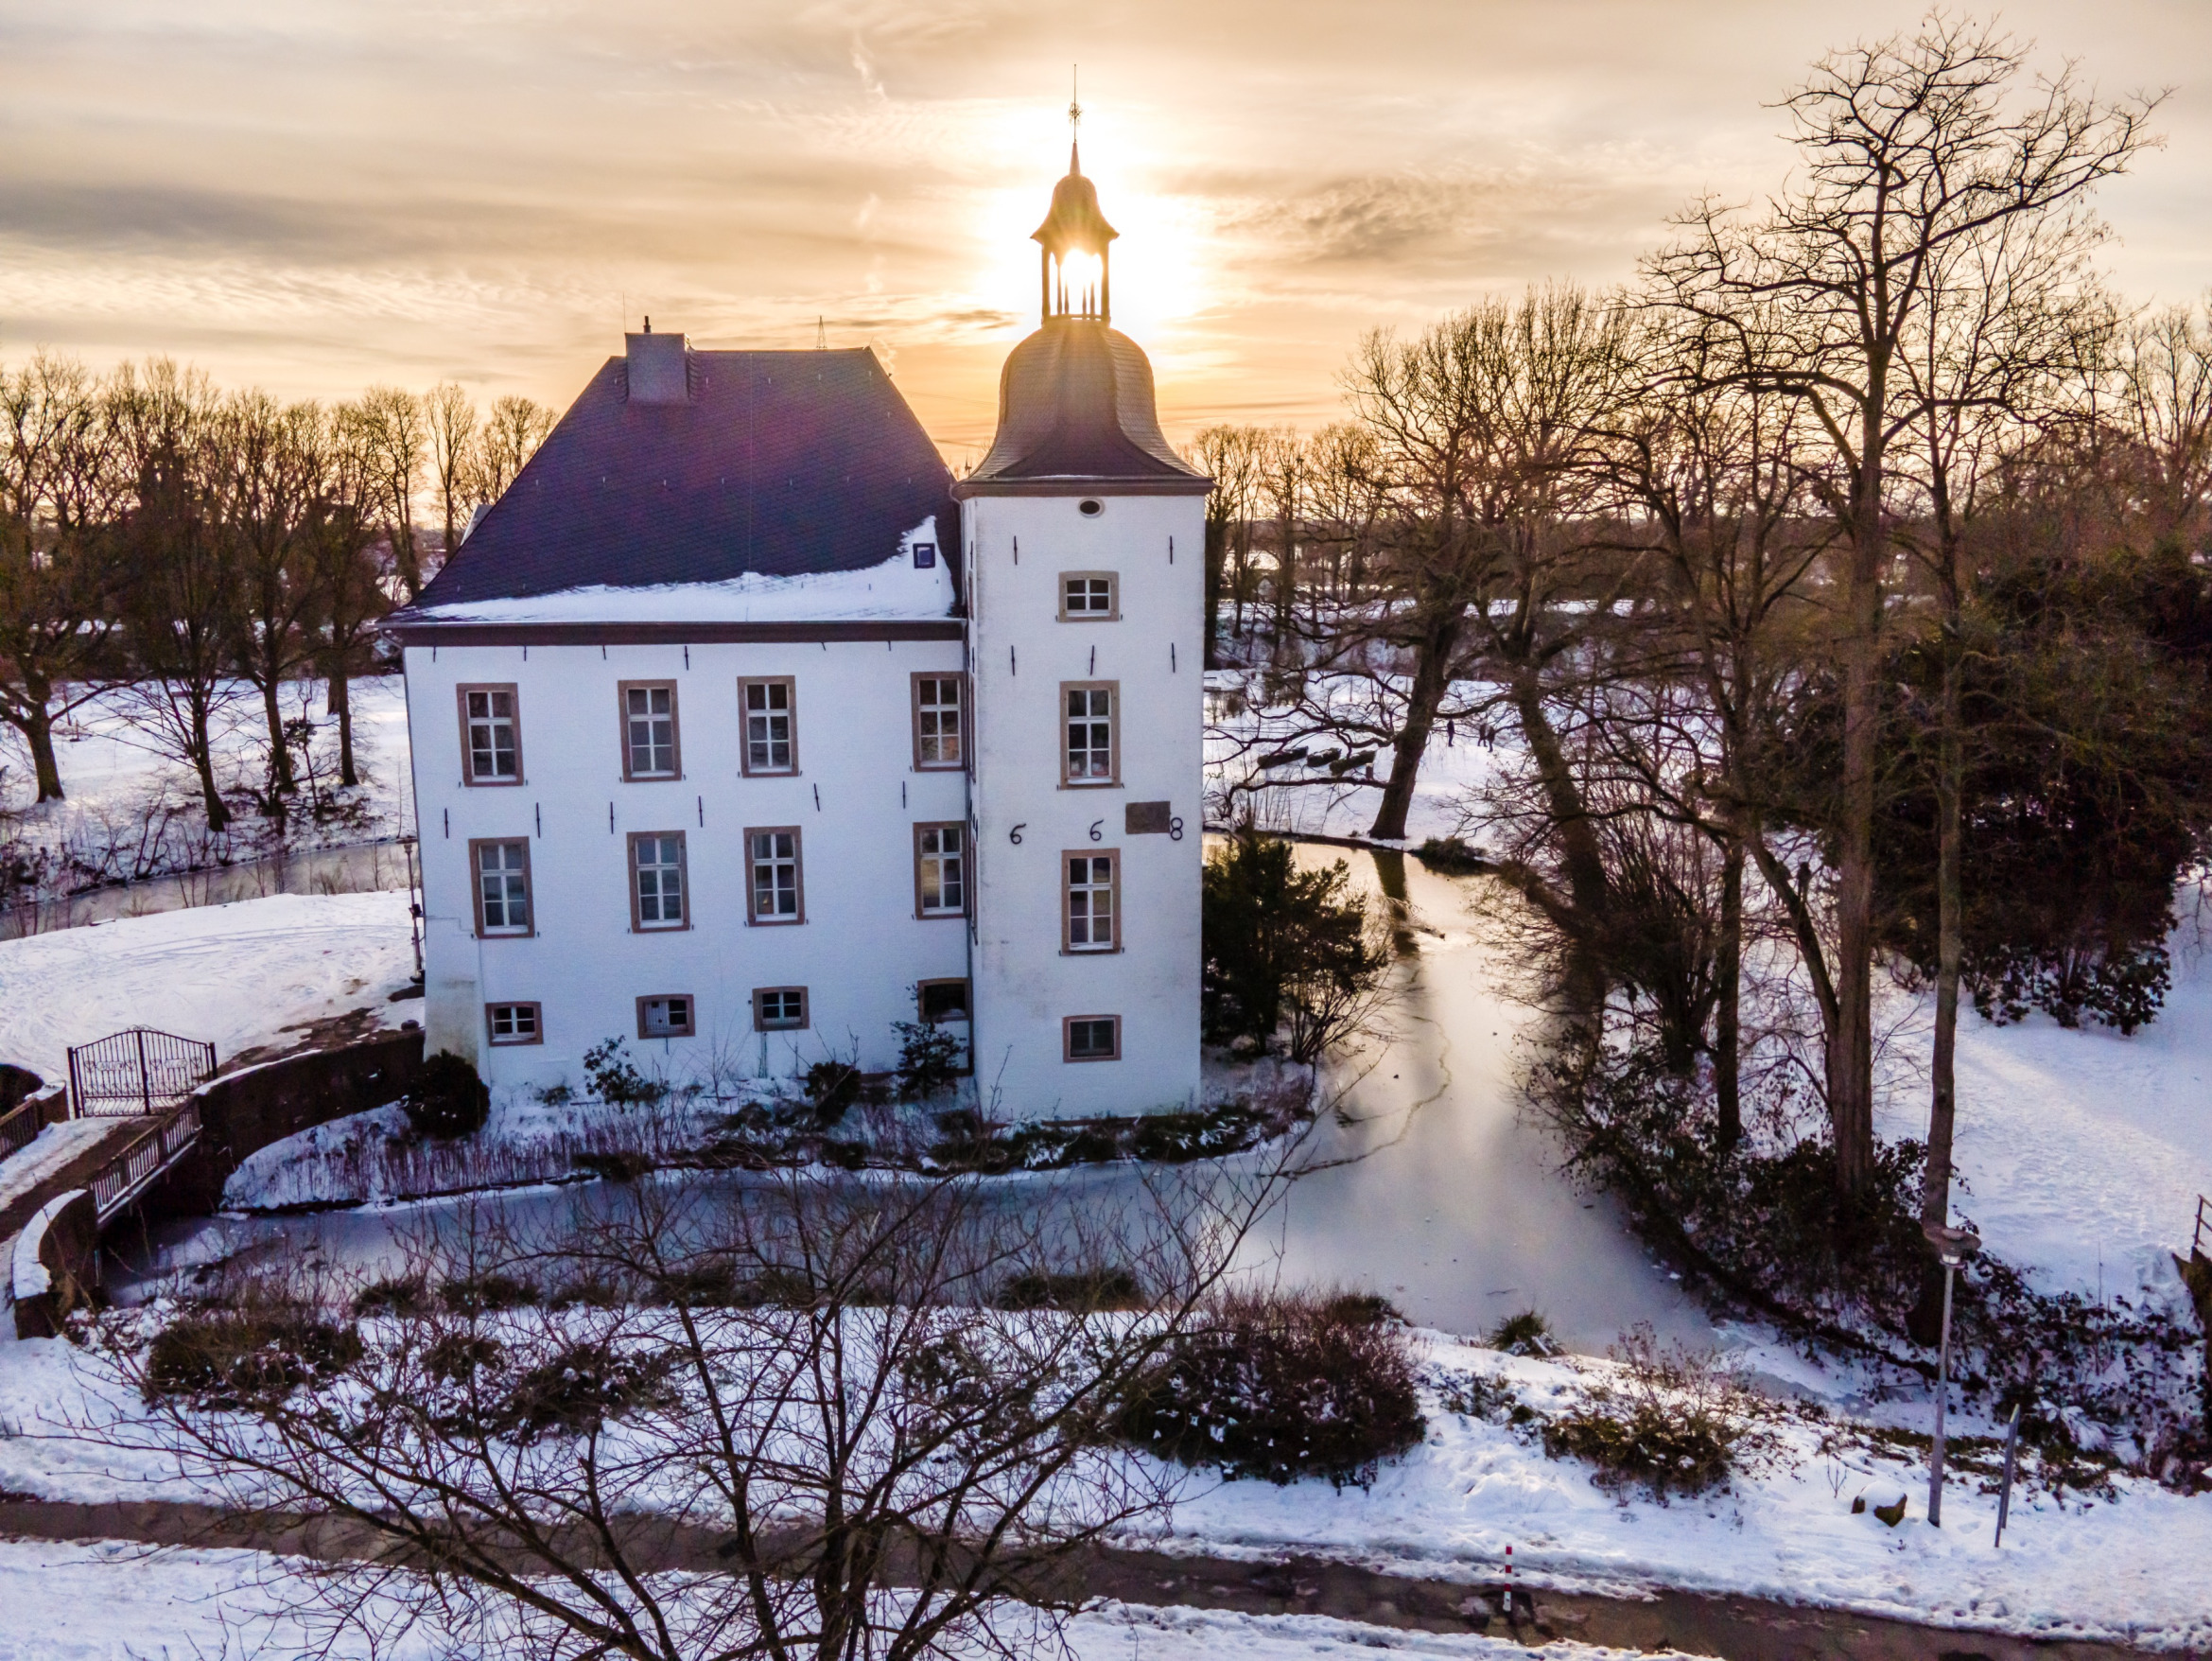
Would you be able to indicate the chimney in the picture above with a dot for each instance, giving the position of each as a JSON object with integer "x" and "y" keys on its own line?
{"x": 659, "y": 368}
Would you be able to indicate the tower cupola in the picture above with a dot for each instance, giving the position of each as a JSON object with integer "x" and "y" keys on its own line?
{"x": 1075, "y": 398}
{"x": 1074, "y": 226}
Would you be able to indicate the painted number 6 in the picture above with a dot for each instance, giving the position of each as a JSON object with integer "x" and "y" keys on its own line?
{"x": 1095, "y": 827}
{"x": 1015, "y": 835}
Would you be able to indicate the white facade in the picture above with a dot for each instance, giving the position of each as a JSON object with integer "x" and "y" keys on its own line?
{"x": 854, "y": 796}
{"x": 1028, "y": 650}
{"x": 702, "y": 527}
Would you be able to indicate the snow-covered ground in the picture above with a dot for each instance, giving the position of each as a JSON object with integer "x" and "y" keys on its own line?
{"x": 111, "y": 824}
{"x": 107, "y": 764}
{"x": 2083, "y": 1152}
{"x": 2126, "y": 1570}
{"x": 238, "y": 975}
{"x": 1305, "y": 799}
{"x": 2131, "y": 1570}
{"x": 113, "y": 1601}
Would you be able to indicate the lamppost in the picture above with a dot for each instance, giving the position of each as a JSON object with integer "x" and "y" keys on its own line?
{"x": 1953, "y": 1246}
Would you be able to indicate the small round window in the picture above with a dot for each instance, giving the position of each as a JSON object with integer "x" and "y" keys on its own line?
{"x": 1090, "y": 507}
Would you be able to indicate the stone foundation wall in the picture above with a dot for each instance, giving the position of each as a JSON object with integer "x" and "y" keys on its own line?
{"x": 248, "y": 1111}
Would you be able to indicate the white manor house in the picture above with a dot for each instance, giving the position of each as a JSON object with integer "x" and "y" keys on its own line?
{"x": 743, "y": 732}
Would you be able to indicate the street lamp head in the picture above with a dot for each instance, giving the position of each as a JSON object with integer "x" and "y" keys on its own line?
{"x": 1953, "y": 1246}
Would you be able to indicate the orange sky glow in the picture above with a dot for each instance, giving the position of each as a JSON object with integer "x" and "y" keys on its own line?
{"x": 322, "y": 195}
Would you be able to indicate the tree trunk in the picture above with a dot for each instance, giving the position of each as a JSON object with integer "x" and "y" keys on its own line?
{"x": 341, "y": 701}
{"x": 1243, "y": 583}
{"x": 1851, "y": 1048}
{"x": 218, "y": 816}
{"x": 31, "y": 714}
{"x": 1727, "y": 1015}
{"x": 37, "y": 726}
{"x": 1286, "y": 582}
{"x": 1431, "y": 672}
{"x": 1586, "y": 976}
{"x": 1216, "y": 552}
{"x": 280, "y": 782}
{"x": 1935, "y": 1192}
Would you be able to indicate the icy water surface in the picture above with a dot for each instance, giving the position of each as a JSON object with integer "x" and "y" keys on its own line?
{"x": 1427, "y": 1185}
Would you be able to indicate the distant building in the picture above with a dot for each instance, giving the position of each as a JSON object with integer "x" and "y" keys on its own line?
{"x": 744, "y": 732}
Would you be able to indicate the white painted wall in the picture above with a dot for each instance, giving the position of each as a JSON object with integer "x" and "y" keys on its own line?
{"x": 860, "y": 949}
{"x": 1023, "y": 982}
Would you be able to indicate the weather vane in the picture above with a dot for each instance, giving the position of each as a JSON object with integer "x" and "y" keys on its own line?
{"x": 1075, "y": 100}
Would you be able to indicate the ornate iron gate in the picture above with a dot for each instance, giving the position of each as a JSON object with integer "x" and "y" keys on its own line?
{"x": 140, "y": 1071}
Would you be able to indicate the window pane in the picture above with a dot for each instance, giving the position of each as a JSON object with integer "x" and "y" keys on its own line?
{"x": 504, "y": 887}
{"x": 1091, "y": 902}
{"x": 783, "y": 1006}
{"x": 1090, "y": 733}
{"x": 661, "y": 880}
{"x": 937, "y": 719}
{"x": 652, "y": 719}
{"x": 944, "y": 1001}
{"x": 775, "y": 874}
{"x": 490, "y": 720}
{"x": 768, "y": 726}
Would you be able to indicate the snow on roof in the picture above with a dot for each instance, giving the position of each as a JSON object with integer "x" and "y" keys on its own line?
{"x": 892, "y": 589}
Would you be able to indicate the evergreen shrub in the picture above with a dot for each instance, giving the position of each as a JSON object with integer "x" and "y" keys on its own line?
{"x": 1282, "y": 1387}
{"x": 448, "y": 1098}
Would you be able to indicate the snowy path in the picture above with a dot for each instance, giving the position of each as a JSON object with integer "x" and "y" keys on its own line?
{"x": 108, "y": 1600}
{"x": 1176, "y": 1606}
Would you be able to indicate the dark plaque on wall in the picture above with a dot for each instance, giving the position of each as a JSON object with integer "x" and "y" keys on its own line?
{"x": 1148, "y": 818}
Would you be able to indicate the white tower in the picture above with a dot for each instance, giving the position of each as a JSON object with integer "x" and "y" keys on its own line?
{"x": 1084, "y": 534}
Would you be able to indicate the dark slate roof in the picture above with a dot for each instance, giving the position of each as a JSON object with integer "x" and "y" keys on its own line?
{"x": 781, "y": 464}
{"x": 1075, "y": 403}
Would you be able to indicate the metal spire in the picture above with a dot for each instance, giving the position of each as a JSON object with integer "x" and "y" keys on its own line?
{"x": 1074, "y": 118}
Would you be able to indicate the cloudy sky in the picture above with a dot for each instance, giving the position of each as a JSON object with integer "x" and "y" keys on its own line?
{"x": 315, "y": 195}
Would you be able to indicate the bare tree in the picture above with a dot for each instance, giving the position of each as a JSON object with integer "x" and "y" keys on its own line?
{"x": 270, "y": 461}
{"x": 1345, "y": 508}
{"x": 881, "y": 1414}
{"x": 1908, "y": 149}
{"x": 397, "y": 431}
{"x": 349, "y": 580}
{"x": 182, "y": 591}
{"x": 450, "y": 417}
{"x": 512, "y": 433}
{"x": 1282, "y": 484}
{"x": 2164, "y": 406}
{"x": 2010, "y": 334}
{"x": 1228, "y": 455}
{"x": 62, "y": 491}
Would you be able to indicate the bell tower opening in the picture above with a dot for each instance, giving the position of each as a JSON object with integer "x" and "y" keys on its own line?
{"x": 1074, "y": 243}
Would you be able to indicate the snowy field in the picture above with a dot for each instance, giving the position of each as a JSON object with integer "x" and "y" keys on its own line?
{"x": 109, "y": 766}
{"x": 238, "y": 975}
{"x": 118, "y": 1602}
{"x": 130, "y": 813}
{"x": 2126, "y": 1570}
{"x": 2083, "y": 1152}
